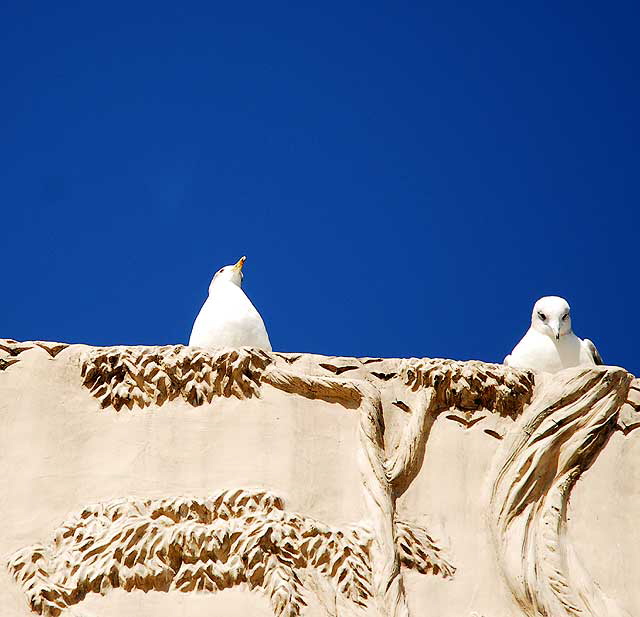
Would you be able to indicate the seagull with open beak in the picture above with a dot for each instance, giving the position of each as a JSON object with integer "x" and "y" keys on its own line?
{"x": 550, "y": 344}
{"x": 228, "y": 318}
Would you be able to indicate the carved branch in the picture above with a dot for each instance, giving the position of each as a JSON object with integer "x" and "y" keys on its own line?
{"x": 385, "y": 564}
{"x": 561, "y": 433}
{"x": 405, "y": 464}
{"x": 143, "y": 376}
{"x": 629, "y": 416}
{"x": 387, "y": 585}
{"x": 558, "y": 439}
{"x": 140, "y": 376}
{"x": 329, "y": 389}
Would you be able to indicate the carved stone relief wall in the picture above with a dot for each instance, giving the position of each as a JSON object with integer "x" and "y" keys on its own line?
{"x": 547, "y": 432}
{"x": 193, "y": 544}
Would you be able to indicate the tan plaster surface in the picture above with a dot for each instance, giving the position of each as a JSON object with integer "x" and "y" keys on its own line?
{"x": 59, "y": 452}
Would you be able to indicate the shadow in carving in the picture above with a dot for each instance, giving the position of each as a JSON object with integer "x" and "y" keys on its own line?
{"x": 231, "y": 538}
{"x": 560, "y": 436}
{"x": 559, "y": 427}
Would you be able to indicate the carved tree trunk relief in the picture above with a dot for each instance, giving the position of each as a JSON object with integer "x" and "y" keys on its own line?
{"x": 559, "y": 437}
{"x": 546, "y": 436}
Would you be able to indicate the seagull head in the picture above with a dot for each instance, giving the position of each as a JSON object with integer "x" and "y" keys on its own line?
{"x": 229, "y": 274}
{"x": 551, "y": 316}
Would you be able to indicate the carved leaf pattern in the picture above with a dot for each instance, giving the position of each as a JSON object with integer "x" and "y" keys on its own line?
{"x": 190, "y": 544}
{"x": 247, "y": 537}
{"x": 419, "y": 551}
{"x": 142, "y": 376}
{"x": 471, "y": 386}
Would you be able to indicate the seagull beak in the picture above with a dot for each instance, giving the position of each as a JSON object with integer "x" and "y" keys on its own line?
{"x": 238, "y": 266}
{"x": 556, "y": 330}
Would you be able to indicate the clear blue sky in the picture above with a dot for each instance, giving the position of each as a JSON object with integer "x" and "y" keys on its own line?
{"x": 404, "y": 181}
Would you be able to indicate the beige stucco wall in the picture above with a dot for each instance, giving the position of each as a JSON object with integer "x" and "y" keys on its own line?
{"x": 59, "y": 451}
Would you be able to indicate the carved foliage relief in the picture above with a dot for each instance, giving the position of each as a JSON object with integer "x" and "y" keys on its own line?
{"x": 249, "y": 537}
{"x": 193, "y": 544}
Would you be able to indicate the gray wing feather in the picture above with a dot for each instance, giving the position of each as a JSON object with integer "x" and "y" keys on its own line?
{"x": 597, "y": 358}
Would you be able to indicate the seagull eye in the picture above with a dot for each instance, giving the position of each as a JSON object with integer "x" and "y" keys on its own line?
{"x": 542, "y": 316}
{"x": 565, "y": 316}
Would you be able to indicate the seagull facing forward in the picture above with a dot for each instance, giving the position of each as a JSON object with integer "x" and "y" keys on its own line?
{"x": 550, "y": 344}
{"x": 227, "y": 318}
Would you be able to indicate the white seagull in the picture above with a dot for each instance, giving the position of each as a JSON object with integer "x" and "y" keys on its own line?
{"x": 227, "y": 318}
{"x": 550, "y": 344}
